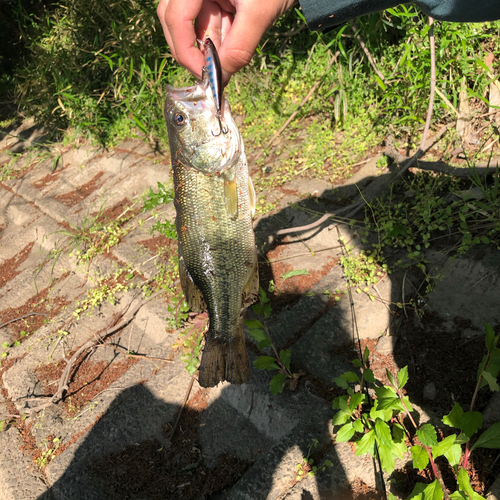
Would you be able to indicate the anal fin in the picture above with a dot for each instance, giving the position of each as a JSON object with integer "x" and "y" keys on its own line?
{"x": 194, "y": 297}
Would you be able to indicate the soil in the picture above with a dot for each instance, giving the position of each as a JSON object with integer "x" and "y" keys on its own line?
{"x": 160, "y": 245}
{"x": 74, "y": 197}
{"x": 37, "y": 311}
{"x": 170, "y": 471}
{"x": 9, "y": 268}
{"x": 88, "y": 379}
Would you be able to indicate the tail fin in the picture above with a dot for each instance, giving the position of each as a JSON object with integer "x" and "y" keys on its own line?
{"x": 224, "y": 361}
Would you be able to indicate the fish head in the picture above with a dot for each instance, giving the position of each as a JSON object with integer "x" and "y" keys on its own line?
{"x": 194, "y": 129}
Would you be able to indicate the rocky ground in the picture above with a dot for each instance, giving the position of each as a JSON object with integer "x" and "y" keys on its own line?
{"x": 114, "y": 434}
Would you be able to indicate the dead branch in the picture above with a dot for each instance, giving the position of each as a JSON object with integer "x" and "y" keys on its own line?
{"x": 482, "y": 169}
{"x": 114, "y": 326}
{"x": 22, "y": 317}
{"x": 181, "y": 409}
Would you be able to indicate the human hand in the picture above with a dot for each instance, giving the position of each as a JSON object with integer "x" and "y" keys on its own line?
{"x": 235, "y": 27}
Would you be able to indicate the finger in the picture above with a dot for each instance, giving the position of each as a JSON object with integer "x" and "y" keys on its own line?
{"x": 176, "y": 18}
{"x": 242, "y": 39}
{"x": 208, "y": 22}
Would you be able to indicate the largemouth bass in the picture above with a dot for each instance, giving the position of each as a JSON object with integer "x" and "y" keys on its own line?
{"x": 215, "y": 201}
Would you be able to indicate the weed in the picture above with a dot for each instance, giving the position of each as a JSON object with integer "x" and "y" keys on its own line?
{"x": 163, "y": 196}
{"x": 48, "y": 454}
{"x": 278, "y": 361}
{"x": 377, "y": 427}
{"x": 308, "y": 465}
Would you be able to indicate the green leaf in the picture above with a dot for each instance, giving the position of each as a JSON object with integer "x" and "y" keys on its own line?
{"x": 402, "y": 377}
{"x": 427, "y": 435}
{"x": 366, "y": 444}
{"x": 453, "y": 418}
{"x": 357, "y": 362}
{"x": 277, "y": 383}
{"x": 492, "y": 381}
{"x": 443, "y": 446}
{"x": 386, "y": 457}
{"x": 350, "y": 377}
{"x": 336, "y": 401}
{"x": 341, "y": 382}
{"x": 462, "y": 438}
{"x": 417, "y": 492}
{"x": 390, "y": 377}
{"x": 358, "y": 426}
{"x": 129, "y": 276}
{"x": 286, "y": 356}
{"x": 420, "y": 457}
{"x": 458, "y": 495}
{"x": 340, "y": 418}
{"x": 490, "y": 336}
{"x": 369, "y": 376}
{"x": 464, "y": 484}
{"x": 489, "y": 438}
{"x": 344, "y": 405}
{"x": 345, "y": 433}
{"x": 262, "y": 296}
{"x": 471, "y": 422}
{"x": 453, "y": 454}
{"x": 355, "y": 401}
{"x": 253, "y": 323}
{"x": 291, "y": 274}
{"x": 366, "y": 355}
{"x": 433, "y": 491}
{"x": 264, "y": 343}
{"x": 266, "y": 363}
{"x": 257, "y": 335}
{"x": 383, "y": 432}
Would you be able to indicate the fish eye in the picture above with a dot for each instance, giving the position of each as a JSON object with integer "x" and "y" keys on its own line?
{"x": 180, "y": 119}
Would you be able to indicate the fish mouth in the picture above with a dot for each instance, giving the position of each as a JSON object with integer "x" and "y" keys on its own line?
{"x": 195, "y": 92}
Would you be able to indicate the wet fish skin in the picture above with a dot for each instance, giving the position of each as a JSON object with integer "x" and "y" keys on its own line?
{"x": 214, "y": 200}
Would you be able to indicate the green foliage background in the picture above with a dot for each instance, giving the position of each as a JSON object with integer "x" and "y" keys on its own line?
{"x": 100, "y": 68}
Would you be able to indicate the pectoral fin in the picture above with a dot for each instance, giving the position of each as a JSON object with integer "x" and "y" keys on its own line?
{"x": 194, "y": 297}
{"x": 231, "y": 197}
{"x": 252, "y": 196}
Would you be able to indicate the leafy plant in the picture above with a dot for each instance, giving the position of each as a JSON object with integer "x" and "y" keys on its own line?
{"x": 154, "y": 199}
{"x": 377, "y": 427}
{"x": 308, "y": 465}
{"x": 277, "y": 361}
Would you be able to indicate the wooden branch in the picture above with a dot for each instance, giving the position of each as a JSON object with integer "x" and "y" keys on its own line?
{"x": 113, "y": 327}
{"x": 22, "y": 317}
{"x": 482, "y": 169}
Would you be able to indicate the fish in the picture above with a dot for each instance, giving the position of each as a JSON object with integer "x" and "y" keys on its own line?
{"x": 214, "y": 201}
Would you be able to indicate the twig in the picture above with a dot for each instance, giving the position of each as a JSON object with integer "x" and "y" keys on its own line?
{"x": 135, "y": 355}
{"x": 22, "y": 317}
{"x": 188, "y": 392}
{"x": 113, "y": 327}
{"x": 354, "y": 28}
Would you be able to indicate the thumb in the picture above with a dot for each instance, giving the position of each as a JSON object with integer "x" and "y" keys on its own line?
{"x": 245, "y": 34}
